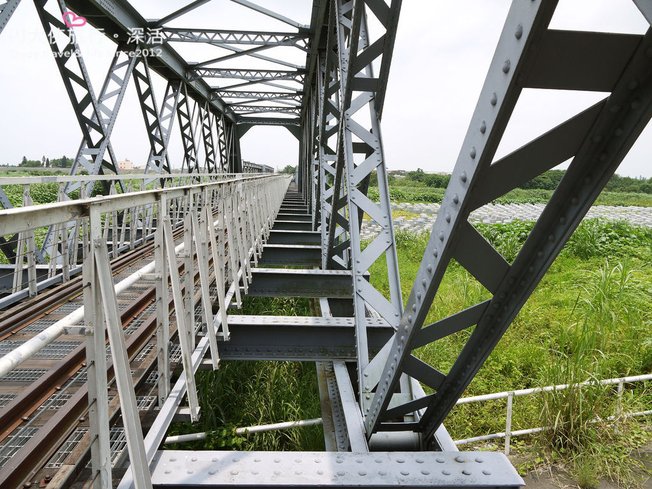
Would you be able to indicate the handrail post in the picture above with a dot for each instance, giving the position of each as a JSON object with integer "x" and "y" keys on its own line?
{"x": 508, "y": 422}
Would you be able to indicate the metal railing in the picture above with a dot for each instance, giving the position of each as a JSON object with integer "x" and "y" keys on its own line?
{"x": 510, "y": 395}
{"x": 206, "y": 237}
{"x": 40, "y": 258}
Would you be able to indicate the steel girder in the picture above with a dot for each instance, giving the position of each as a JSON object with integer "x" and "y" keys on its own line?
{"x": 350, "y": 151}
{"x": 260, "y": 109}
{"x": 185, "y": 116}
{"x": 261, "y": 96}
{"x": 217, "y": 37}
{"x": 158, "y": 124}
{"x": 207, "y": 123}
{"x": 529, "y": 55}
{"x": 6, "y": 11}
{"x": 183, "y": 10}
{"x": 96, "y": 127}
{"x": 250, "y": 75}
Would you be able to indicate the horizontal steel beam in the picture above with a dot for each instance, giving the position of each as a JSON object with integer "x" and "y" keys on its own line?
{"x": 268, "y": 121}
{"x": 251, "y": 75}
{"x": 297, "y": 338}
{"x": 297, "y": 96}
{"x": 291, "y": 255}
{"x": 179, "y": 469}
{"x": 258, "y": 109}
{"x": 292, "y": 225}
{"x": 277, "y": 282}
{"x": 294, "y": 237}
{"x": 232, "y": 37}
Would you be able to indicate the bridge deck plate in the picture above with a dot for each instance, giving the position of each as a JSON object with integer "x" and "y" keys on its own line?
{"x": 179, "y": 469}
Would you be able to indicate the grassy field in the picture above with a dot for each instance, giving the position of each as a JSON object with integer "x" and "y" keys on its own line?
{"x": 421, "y": 193}
{"x": 590, "y": 318}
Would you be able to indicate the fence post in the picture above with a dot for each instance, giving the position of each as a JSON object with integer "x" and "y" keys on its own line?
{"x": 619, "y": 400}
{"x": 508, "y": 423}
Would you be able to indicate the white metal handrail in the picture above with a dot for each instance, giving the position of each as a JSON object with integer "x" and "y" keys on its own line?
{"x": 510, "y": 395}
{"x": 61, "y": 255}
{"x": 226, "y": 222}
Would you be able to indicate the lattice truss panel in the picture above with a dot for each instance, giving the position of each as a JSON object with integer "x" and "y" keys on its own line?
{"x": 351, "y": 81}
{"x": 529, "y": 55}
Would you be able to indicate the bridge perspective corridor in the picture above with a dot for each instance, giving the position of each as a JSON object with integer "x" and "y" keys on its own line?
{"x": 114, "y": 296}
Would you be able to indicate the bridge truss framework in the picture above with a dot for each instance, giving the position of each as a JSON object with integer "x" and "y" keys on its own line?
{"x": 383, "y": 428}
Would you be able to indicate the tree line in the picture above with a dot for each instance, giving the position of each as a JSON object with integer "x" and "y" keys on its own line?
{"x": 63, "y": 162}
{"x": 546, "y": 181}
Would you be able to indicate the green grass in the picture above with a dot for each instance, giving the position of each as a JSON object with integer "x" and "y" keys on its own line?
{"x": 589, "y": 318}
{"x": 242, "y": 394}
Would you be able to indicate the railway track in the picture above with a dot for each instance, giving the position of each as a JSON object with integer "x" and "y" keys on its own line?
{"x": 48, "y": 415}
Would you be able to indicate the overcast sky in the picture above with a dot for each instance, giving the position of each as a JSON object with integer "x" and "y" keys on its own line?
{"x": 443, "y": 50}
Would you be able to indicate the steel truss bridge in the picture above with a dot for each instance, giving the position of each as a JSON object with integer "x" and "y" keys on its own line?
{"x": 155, "y": 265}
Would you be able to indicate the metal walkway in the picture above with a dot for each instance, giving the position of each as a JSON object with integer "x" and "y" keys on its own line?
{"x": 143, "y": 272}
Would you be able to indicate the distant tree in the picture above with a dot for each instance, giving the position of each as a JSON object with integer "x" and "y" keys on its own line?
{"x": 289, "y": 169}
{"x": 29, "y": 163}
{"x": 419, "y": 175}
{"x": 63, "y": 162}
{"x": 47, "y": 162}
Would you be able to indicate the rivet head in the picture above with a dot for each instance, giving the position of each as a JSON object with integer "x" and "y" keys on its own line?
{"x": 466, "y": 472}
{"x": 448, "y": 218}
{"x": 456, "y": 199}
{"x": 441, "y": 236}
{"x": 483, "y": 127}
{"x": 405, "y": 472}
{"x": 425, "y": 472}
{"x": 494, "y": 99}
{"x": 507, "y": 66}
{"x": 463, "y": 177}
{"x": 460, "y": 459}
{"x": 446, "y": 472}
{"x": 486, "y": 472}
{"x": 518, "y": 33}
{"x": 440, "y": 460}
{"x": 472, "y": 153}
